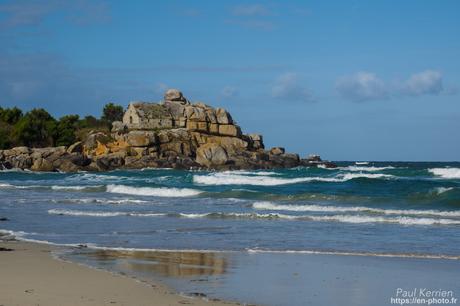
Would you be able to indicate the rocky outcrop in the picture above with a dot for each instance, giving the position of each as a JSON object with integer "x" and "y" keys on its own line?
{"x": 174, "y": 133}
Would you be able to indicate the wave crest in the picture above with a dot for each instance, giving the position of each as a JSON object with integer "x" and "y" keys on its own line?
{"x": 448, "y": 173}
{"x": 227, "y": 178}
{"x": 269, "y": 216}
{"x": 156, "y": 192}
{"x": 323, "y": 208}
{"x": 69, "y": 212}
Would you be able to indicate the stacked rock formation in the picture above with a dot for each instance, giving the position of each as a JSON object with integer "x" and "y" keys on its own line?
{"x": 171, "y": 134}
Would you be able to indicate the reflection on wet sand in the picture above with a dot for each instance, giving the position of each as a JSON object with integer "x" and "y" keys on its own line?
{"x": 164, "y": 263}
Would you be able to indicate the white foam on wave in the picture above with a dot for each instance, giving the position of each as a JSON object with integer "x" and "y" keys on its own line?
{"x": 269, "y": 216}
{"x": 441, "y": 190}
{"x": 398, "y": 220}
{"x": 156, "y": 192}
{"x": 100, "y": 201}
{"x": 244, "y": 172}
{"x": 22, "y": 186}
{"x": 232, "y": 215}
{"x": 365, "y": 254}
{"x": 362, "y": 163}
{"x": 60, "y": 187}
{"x": 53, "y": 187}
{"x": 448, "y": 173}
{"x": 366, "y": 169}
{"x": 332, "y": 218}
{"x": 238, "y": 179}
{"x": 70, "y": 212}
{"x": 94, "y": 177}
{"x": 263, "y": 205}
{"x": 351, "y": 176}
{"x": 226, "y": 178}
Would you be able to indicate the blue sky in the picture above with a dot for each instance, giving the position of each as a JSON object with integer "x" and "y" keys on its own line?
{"x": 350, "y": 80}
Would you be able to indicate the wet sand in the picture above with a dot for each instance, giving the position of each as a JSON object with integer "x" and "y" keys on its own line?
{"x": 278, "y": 279}
{"x": 30, "y": 275}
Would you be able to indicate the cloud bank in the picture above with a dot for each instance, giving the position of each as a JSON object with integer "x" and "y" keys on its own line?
{"x": 288, "y": 87}
{"x": 362, "y": 86}
{"x": 428, "y": 82}
{"x": 367, "y": 86}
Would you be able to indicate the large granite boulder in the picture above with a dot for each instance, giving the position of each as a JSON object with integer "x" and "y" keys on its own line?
{"x": 119, "y": 127}
{"x": 211, "y": 155}
{"x": 230, "y": 130}
{"x": 174, "y": 95}
{"x": 75, "y": 148}
{"x": 277, "y": 151}
{"x": 41, "y": 164}
{"x": 141, "y": 138}
{"x": 223, "y": 117}
{"x": 94, "y": 138}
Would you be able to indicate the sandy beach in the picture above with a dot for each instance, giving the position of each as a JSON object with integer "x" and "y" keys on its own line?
{"x": 31, "y": 276}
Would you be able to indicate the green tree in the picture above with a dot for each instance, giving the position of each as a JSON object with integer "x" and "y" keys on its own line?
{"x": 36, "y": 128}
{"x": 112, "y": 112}
{"x": 5, "y": 136}
{"x": 89, "y": 122}
{"x": 65, "y": 132}
{"x": 10, "y": 115}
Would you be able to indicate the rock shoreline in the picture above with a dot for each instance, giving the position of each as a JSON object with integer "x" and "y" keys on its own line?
{"x": 173, "y": 133}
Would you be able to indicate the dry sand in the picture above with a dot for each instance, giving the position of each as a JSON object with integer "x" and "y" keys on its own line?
{"x": 29, "y": 275}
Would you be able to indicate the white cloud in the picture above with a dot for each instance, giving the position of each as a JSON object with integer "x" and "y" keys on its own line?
{"x": 254, "y": 24}
{"x": 80, "y": 12}
{"x": 251, "y": 10}
{"x": 229, "y": 92}
{"x": 366, "y": 86}
{"x": 427, "y": 82}
{"x": 256, "y": 16}
{"x": 287, "y": 87}
{"x": 362, "y": 86}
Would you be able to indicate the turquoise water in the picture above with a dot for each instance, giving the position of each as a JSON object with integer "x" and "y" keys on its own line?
{"x": 377, "y": 208}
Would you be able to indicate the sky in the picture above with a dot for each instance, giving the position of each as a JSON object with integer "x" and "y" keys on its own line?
{"x": 349, "y": 80}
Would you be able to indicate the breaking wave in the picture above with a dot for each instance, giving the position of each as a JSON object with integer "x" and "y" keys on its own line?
{"x": 58, "y": 187}
{"x": 69, "y": 212}
{"x": 366, "y": 168}
{"x": 243, "y": 172}
{"x": 441, "y": 190}
{"x": 321, "y": 208}
{"x": 350, "y": 176}
{"x": 53, "y": 187}
{"x": 448, "y": 173}
{"x": 156, "y": 192}
{"x": 398, "y": 220}
{"x": 238, "y": 179}
{"x": 269, "y": 216}
{"x": 99, "y": 201}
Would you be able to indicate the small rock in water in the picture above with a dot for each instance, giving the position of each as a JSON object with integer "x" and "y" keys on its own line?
{"x": 5, "y": 249}
{"x": 4, "y": 219}
{"x": 198, "y": 294}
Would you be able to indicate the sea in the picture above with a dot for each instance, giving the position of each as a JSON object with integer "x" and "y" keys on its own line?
{"x": 239, "y": 234}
